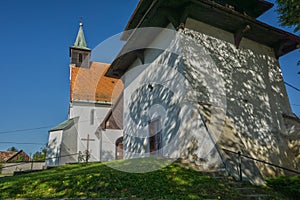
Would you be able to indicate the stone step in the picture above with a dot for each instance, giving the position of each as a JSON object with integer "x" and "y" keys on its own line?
{"x": 258, "y": 196}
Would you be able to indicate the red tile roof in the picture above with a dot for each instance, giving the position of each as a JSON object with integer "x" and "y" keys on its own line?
{"x": 11, "y": 156}
{"x": 90, "y": 84}
{"x": 6, "y": 155}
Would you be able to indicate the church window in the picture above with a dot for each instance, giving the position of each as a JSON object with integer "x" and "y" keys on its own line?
{"x": 119, "y": 148}
{"x": 80, "y": 58}
{"x": 92, "y": 117}
{"x": 155, "y": 138}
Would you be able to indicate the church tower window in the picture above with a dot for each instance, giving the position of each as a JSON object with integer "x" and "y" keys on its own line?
{"x": 80, "y": 58}
{"x": 79, "y": 52}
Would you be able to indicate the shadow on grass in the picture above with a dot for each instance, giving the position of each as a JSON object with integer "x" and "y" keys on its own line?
{"x": 97, "y": 180}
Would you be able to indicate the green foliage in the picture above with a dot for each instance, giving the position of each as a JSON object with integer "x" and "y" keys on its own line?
{"x": 19, "y": 159}
{"x": 14, "y": 149}
{"x": 40, "y": 155}
{"x": 290, "y": 186}
{"x": 289, "y": 11}
{"x": 1, "y": 166}
{"x": 97, "y": 180}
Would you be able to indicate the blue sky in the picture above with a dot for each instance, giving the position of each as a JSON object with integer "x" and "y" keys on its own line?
{"x": 34, "y": 75}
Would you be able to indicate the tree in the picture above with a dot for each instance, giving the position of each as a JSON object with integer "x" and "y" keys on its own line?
{"x": 40, "y": 155}
{"x": 14, "y": 149}
{"x": 289, "y": 14}
{"x": 289, "y": 11}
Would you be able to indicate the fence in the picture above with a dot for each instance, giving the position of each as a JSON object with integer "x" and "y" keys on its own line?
{"x": 10, "y": 168}
{"x": 241, "y": 168}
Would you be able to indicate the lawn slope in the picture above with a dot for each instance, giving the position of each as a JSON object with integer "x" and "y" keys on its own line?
{"x": 97, "y": 180}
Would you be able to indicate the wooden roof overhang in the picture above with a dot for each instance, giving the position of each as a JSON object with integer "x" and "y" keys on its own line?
{"x": 155, "y": 13}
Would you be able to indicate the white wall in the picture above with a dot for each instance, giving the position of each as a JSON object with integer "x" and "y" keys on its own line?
{"x": 109, "y": 138}
{"x": 85, "y": 126}
{"x": 246, "y": 83}
{"x": 54, "y": 148}
{"x": 10, "y": 168}
{"x": 69, "y": 146}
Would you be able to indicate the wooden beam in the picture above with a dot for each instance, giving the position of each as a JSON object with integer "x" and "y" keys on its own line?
{"x": 176, "y": 16}
{"x": 239, "y": 34}
{"x": 283, "y": 46}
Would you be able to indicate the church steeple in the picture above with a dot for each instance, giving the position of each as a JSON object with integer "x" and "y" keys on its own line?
{"x": 79, "y": 52}
{"x": 80, "y": 39}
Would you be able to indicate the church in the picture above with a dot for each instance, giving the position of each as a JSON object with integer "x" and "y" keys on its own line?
{"x": 80, "y": 138}
{"x": 197, "y": 80}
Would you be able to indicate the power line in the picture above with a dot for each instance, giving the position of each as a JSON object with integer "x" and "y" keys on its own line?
{"x": 23, "y": 130}
{"x": 290, "y": 85}
{"x": 46, "y": 127}
{"x": 32, "y": 129}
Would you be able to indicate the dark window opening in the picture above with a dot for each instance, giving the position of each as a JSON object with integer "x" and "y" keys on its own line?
{"x": 155, "y": 138}
{"x": 80, "y": 58}
{"x": 119, "y": 148}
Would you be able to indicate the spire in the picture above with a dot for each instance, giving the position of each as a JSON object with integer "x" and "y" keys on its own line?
{"x": 80, "y": 40}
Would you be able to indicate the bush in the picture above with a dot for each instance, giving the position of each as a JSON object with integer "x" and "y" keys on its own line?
{"x": 290, "y": 186}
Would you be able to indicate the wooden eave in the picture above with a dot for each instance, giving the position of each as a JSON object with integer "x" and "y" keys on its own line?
{"x": 161, "y": 13}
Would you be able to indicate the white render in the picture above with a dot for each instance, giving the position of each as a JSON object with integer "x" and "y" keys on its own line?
{"x": 109, "y": 138}
{"x": 252, "y": 98}
{"x": 62, "y": 146}
{"x": 53, "y": 152}
{"x": 90, "y": 117}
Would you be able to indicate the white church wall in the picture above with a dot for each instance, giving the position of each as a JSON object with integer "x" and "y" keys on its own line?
{"x": 69, "y": 152}
{"x": 90, "y": 117}
{"x": 109, "y": 138}
{"x": 139, "y": 112}
{"x": 254, "y": 92}
{"x": 53, "y": 148}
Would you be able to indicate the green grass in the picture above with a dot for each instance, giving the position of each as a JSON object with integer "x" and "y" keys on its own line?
{"x": 97, "y": 180}
{"x": 289, "y": 186}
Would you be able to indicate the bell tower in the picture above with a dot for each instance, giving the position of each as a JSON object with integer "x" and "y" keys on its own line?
{"x": 79, "y": 52}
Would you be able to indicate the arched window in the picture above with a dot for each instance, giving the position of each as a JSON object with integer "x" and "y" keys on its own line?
{"x": 119, "y": 148}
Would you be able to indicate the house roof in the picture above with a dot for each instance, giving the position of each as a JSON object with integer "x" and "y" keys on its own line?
{"x": 6, "y": 156}
{"x": 63, "y": 126}
{"x": 90, "y": 84}
{"x": 253, "y": 8}
{"x": 153, "y": 13}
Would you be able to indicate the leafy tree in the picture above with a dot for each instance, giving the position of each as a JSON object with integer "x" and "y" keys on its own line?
{"x": 14, "y": 149}
{"x": 289, "y": 11}
{"x": 40, "y": 155}
{"x": 289, "y": 14}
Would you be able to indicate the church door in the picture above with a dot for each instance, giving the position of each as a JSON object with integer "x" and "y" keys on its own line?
{"x": 155, "y": 139}
{"x": 119, "y": 149}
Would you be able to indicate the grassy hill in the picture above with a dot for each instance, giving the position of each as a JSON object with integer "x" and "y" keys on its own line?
{"x": 97, "y": 180}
